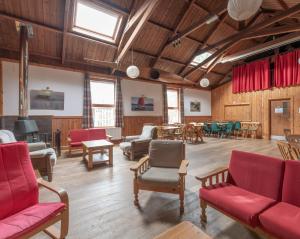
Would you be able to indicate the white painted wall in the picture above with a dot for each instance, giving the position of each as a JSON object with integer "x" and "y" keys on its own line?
{"x": 197, "y": 95}
{"x": 71, "y": 83}
{"x": 134, "y": 88}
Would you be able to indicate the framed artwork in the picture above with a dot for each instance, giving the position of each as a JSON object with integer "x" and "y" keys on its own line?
{"x": 195, "y": 106}
{"x": 142, "y": 103}
{"x": 46, "y": 100}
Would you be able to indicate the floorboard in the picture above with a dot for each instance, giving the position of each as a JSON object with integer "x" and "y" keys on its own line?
{"x": 101, "y": 200}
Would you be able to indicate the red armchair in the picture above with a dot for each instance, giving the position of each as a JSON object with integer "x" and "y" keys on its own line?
{"x": 21, "y": 213}
{"x": 259, "y": 191}
{"x": 77, "y": 136}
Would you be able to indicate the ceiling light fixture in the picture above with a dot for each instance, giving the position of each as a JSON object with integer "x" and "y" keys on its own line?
{"x": 204, "y": 82}
{"x": 132, "y": 71}
{"x": 241, "y": 10}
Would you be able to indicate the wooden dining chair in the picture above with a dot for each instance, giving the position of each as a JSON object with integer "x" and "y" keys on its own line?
{"x": 295, "y": 151}
{"x": 284, "y": 149}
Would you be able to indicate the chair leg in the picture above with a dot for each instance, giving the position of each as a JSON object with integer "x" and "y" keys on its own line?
{"x": 181, "y": 198}
{"x": 64, "y": 224}
{"x": 203, "y": 216}
{"x": 136, "y": 192}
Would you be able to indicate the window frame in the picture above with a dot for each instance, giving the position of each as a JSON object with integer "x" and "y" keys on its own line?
{"x": 195, "y": 64}
{"x": 178, "y": 103}
{"x": 91, "y": 33}
{"x": 104, "y": 105}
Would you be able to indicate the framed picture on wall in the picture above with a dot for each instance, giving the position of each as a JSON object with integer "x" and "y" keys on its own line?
{"x": 142, "y": 103}
{"x": 46, "y": 100}
{"x": 195, "y": 106}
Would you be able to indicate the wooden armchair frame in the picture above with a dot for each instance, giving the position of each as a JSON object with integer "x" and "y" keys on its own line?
{"x": 142, "y": 166}
{"x": 48, "y": 227}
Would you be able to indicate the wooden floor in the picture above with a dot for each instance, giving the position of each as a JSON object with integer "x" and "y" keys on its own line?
{"x": 101, "y": 201}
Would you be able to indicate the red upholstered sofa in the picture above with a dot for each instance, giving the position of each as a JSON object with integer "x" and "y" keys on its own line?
{"x": 259, "y": 191}
{"x": 21, "y": 213}
{"x": 76, "y": 136}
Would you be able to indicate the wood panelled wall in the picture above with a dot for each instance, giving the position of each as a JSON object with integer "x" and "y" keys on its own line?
{"x": 65, "y": 124}
{"x": 254, "y": 105}
{"x": 188, "y": 119}
{"x": 133, "y": 124}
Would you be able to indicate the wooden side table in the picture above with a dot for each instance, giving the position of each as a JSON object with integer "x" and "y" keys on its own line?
{"x": 93, "y": 152}
{"x": 184, "y": 230}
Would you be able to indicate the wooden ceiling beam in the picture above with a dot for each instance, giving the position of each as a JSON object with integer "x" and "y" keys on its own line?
{"x": 236, "y": 38}
{"x": 199, "y": 23}
{"x": 137, "y": 29}
{"x": 179, "y": 22}
{"x": 280, "y": 16}
{"x": 208, "y": 36}
{"x": 64, "y": 37}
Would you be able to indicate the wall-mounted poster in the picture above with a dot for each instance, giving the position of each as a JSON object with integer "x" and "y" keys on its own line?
{"x": 46, "y": 100}
{"x": 142, "y": 103}
{"x": 195, "y": 106}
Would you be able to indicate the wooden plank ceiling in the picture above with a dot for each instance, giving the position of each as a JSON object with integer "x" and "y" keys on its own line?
{"x": 55, "y": 43}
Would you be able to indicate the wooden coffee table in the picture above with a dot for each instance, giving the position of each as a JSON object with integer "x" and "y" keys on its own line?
{"x": 94, "y": 152}
{"x": 184, "y": 230}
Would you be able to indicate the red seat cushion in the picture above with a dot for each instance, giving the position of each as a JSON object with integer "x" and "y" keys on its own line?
{"x": 235, "y": 201}
{"x": 76, "y": 144}
{"x": 291, "y": 183}
{"x": 256, "y": 173}
{"x": 18, "y": 186}
{"x": 29, "y": 219}
{"x": 96, "y": 134}
{"x": 79, "y": 135}
{"x": 282, "y": 220}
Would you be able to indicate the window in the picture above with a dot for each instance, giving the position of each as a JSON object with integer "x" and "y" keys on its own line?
{"x": 103, "y": 103}
{"x": 95, "y": 21}
{"x": 173, "y": 106}
{"x": 200, "y": 58}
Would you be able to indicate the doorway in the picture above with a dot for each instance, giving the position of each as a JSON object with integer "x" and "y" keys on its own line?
{"x": 280, "y": 118}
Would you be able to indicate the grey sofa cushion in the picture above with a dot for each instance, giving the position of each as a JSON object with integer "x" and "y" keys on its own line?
{"x": 166, "y": 153}
{"x": 7, "y": 136}
{"x": 125, "y": 146}
{"x": 161, "y": 175}
{"x": 147, "y": 132}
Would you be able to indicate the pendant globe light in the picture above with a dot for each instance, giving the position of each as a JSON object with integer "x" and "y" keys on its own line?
{"x": 241, "y": 10}
{"x": 204, "y": 82}
{"x": 132, "y": 71}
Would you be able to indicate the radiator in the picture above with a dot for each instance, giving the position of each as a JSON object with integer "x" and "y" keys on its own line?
{"x": 116, "y": 133}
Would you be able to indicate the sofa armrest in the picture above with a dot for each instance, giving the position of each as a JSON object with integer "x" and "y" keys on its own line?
{"x": 108, "y": 137}
{"x": 39, "y": 153}
{"x": 217, "y": 173}
{"x": 131, "y": 138}
{"x": 140, "y": 166}
{"x": 63, "y": 195}
{"x": 69, "y": 139}
{"x": 36, "y": 146}
{"x": 183, "y": 168}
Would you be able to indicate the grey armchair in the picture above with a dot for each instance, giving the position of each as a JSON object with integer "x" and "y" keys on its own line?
{"x": 42, "y": 158}
{"x": 138, "y": 145}
{"x": 164, "y": 170}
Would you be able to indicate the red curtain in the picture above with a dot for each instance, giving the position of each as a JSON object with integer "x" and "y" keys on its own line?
{"x": 251, "y": 77}
{"x": 287, "y": 69}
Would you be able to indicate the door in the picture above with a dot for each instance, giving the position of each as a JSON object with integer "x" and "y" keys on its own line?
{"x": 280, "y": 116}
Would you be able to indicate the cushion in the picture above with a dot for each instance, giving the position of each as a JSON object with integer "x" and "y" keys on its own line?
{"x": 18, "y": 184}
{"x": 76, "y": 144}
{"x": 282, "y": 220}
{"x": 291, "y": 183}
{"x": 96, "y": 134}
{"x": 235, "y": 201}
{"x": 161, "y": 175}
{"x": 166, "y": 153}
{"x": 7, "y": 136}
{"x": 28, "y": 219}
{"x": 125, "y": 146}
{"x": 147, "y": 132}
{"x": 256, "y": 173}
{"x": 79, "y": 135}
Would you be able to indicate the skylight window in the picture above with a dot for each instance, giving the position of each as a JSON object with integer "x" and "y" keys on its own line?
{"x": 200, "y": 58}
{"x": 95, "y": 21}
